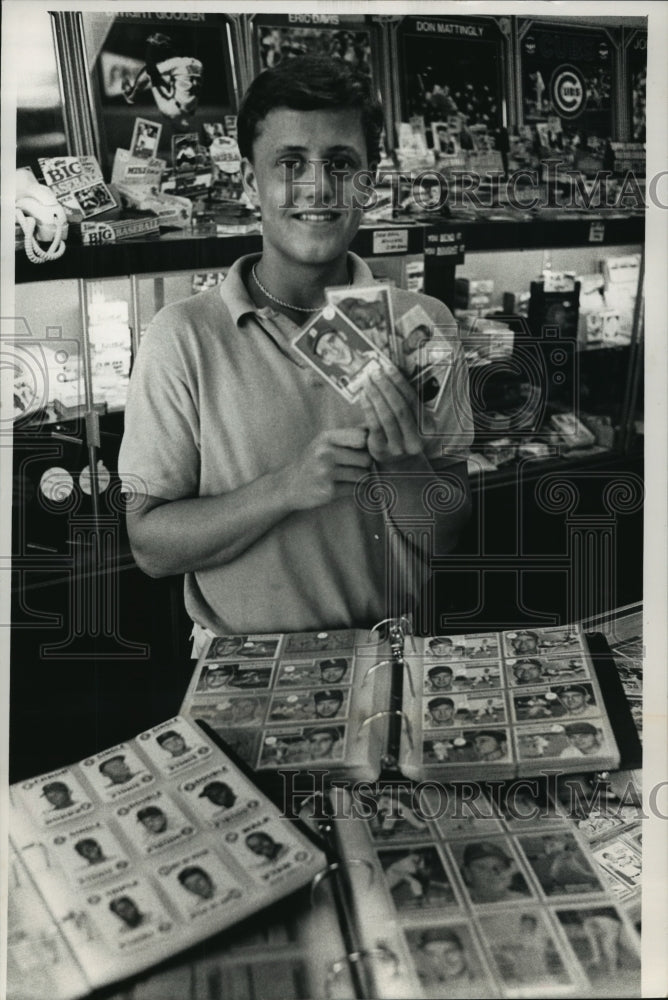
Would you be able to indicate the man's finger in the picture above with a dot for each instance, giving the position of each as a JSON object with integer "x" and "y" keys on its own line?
{"x": 402, "y": 416}
{"x": 354, "y": 457}
{"x": 386, "y": 419}
{"x": 347, "y": 437}
{"x": 348, "y": 474}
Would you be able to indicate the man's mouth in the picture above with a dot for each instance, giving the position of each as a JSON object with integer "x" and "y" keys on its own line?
{"x": 319, "y": 216}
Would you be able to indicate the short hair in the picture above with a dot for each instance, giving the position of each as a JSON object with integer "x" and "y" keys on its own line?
{"x": 192, "y": 870}
{"x": 437, "y": 702}
{"x": 340, "y": 664}
{"x": 169, "y": 735}
{"x": 149, "y": 811}
{"x": 529, "y": 662}
{"x": 435, "y": 671}
{"x": 440, "y": 934}
{"x": 336, "y": 694}
{"x": 110, "y": 760}
{"x": 88, "y": 842}
{"x": 496, "y": 734}
{"x": 580, "y": 729}
{"x": 55, "y": 786}
{"x": 310, "y": 83}
{"x": 440, "y": 640}
{"x": 328, "y": 730}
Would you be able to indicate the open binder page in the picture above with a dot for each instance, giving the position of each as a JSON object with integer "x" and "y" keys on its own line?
{"x": 150, "y": 846}
{"x": 500, "y": 705}
{"x": 477, "y": 898}
{"x": 39, "y": 959}
{"x": 297, "y": 700}
{"x": 384, "y": 959}
{"x": 289, "y": 952}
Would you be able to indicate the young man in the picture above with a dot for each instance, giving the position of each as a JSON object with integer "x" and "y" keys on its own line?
{"x": 245, "y": 461}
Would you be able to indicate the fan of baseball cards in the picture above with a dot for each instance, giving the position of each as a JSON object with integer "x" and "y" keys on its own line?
{"x": 355, "y": 335}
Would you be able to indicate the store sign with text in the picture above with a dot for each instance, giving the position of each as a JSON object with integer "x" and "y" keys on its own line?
{"x": 568, "y": 73}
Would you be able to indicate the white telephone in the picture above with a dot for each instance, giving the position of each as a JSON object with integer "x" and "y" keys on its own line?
{"x": 41, "y": 217}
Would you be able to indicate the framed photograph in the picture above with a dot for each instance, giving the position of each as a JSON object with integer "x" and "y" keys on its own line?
{"x": 451, "y": 71}
{"x": 174, "y": 70}
{"x": 349, "y": 37}
{"x": 567, "y": 73}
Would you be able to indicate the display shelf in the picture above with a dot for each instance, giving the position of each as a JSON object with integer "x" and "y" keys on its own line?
{"x": 179, "y": 251}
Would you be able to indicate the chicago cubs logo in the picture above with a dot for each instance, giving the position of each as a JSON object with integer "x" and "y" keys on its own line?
{"x": 568, "y": 91}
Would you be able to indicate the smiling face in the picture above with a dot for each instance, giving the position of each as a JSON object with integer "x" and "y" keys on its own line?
{"x": 442, "y": 713}
{"x": 488, "y": 878}
{"x": 308, "y": 215}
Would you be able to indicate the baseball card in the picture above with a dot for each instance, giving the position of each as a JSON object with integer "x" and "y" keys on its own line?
{"x": 448, "y": 961}
{"x": 55, "y": 797}
{"x": 145, "y": 139}
{"x": 174, "y": 746}
{"x": 94, "y": 200}
{"x": 89, "y": 854}
{"x": 463, "y": 810}
{"x": 443, "y": 678}
{"x": 559, "y": 863}
{"x": 129, "y": 913}
{"x": 542, "y": 641}
{"x": 303, "y": 745}
{"x": 605, "y": 946}
{"x": 184, "y": 152}
{"x": 340, "y": 353}
{"x": 526, "y": 952}
{"x": 154, "y": 822}
{"x": 369, "y": 309}
{"x": 255, "y": 647}
{"x": 463, "y": 710}
{"x": 620, "y": 865}
{"x": 396, "y": 815}
{"x": 198, "y": 884}
{"x": 216, "y": 677}
{"x": 523, "y": 805}
{"x": 248, "y": 709}
{"x": 321, "y": 642}
{"x": 558, "y": 701}
{"x": 490, "y": 871}
{"x": 564, "y": 739}
{"x": 417, "y": 879}
{"x": 117, "y": 772}
{"x": 266, "y": 848}
{"x": 309, "y": 706}
{"x": 533, "y": 670}
{"x": 311, "y": 673}
{"x": 221, "y": 798}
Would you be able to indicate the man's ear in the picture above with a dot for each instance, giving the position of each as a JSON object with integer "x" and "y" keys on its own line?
{"x": 249, "y": 181}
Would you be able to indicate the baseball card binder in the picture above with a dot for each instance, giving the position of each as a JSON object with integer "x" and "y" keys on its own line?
{"x": 138, "y": 852}
{"x": 362, "y": 705}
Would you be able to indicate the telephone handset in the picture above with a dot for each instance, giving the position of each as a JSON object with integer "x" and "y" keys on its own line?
{"x": 41, "y": 217}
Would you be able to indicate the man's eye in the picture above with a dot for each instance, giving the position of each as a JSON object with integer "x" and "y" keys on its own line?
{"x": 291, "y": 165}
{"x": 340, "y": 163}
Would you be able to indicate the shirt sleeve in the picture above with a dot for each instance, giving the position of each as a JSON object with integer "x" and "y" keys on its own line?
{"x": 160, "y": 453}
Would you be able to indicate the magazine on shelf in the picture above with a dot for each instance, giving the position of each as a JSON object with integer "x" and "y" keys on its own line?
{"x": 355, "y": 704}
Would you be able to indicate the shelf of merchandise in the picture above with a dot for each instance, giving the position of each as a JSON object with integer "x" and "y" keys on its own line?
{"x": 180, "y": 250}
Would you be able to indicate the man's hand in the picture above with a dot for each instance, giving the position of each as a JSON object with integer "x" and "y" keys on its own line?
{"x": 390, "y": 408}
{"x": 328, "y": 468}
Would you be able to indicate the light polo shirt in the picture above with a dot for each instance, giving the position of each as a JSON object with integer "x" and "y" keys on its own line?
{"x": 219, "y": 398}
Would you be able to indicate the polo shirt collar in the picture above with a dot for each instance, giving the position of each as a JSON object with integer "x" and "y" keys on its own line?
{"x": 235, "y": 295}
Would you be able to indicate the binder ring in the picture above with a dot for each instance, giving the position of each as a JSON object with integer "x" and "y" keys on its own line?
{"x": 402, "y": 625}
{"x": 336, "y": 866}
{"x": 341, "y": 964}
{"x": 387, "y": 663}
{"x": 378, "y": 715}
